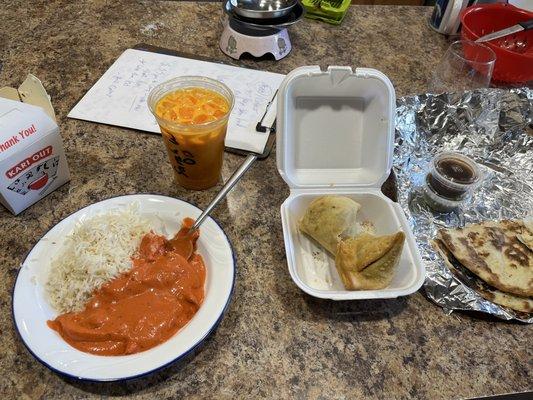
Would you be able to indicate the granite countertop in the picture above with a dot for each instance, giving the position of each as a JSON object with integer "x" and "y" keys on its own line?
{"x": 275, "y": 341}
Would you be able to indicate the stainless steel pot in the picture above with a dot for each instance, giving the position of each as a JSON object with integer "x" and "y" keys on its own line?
{"x": 296, "y": 13}
{"x": 262, "y": 9}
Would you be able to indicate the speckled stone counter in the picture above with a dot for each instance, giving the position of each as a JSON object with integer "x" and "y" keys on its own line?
{"x": 275, "y": 341}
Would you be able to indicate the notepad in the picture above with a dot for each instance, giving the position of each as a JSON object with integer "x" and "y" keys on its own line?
{"x": 120, "y": 95}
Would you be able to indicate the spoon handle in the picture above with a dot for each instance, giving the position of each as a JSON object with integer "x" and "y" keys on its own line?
{"x": 224, "y": 191}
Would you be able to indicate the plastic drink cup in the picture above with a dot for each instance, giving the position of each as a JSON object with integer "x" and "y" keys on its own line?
{"x": 192, "y": 113}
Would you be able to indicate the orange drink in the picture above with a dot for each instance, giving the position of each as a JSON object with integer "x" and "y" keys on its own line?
{"x": 192, "y": 113}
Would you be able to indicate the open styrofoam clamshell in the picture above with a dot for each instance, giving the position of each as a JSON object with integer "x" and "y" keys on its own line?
{"x": 335, "y": 133}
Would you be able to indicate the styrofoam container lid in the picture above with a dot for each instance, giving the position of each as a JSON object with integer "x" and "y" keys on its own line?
{"x": 335, "y": 134}
{"x": 347, "y": 139}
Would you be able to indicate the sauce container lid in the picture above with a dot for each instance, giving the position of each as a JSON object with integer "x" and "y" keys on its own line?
{"x": 455, "y": 171}
{"x": 335, "y": 128}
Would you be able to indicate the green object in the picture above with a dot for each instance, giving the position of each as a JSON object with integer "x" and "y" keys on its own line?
{"x": 330, "y": 11}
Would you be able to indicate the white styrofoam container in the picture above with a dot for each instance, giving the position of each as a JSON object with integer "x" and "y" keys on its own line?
{"x": 335, "y": 134}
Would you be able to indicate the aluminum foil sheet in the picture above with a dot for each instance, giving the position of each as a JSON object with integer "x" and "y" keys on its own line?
{"x": 492, "y": 127}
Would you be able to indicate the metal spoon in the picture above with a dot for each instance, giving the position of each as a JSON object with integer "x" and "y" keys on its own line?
{"x": 224, "y": 191}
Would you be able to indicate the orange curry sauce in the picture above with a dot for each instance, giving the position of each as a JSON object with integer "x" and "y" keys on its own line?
{"x": 144, "y": 306}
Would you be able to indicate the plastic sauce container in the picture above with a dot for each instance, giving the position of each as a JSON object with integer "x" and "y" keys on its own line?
{"x": 450, "y": 181}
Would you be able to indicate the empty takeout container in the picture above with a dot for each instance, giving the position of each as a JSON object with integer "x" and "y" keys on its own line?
{"x": 335, "y": 133}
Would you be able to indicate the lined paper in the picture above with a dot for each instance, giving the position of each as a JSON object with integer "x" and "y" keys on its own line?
{"x": 120, "y": 95}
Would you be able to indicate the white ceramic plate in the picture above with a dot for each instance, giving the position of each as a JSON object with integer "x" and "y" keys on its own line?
{"x": 31, "y": 309}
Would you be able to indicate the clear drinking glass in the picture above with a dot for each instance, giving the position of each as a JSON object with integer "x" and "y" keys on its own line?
{"x": 195, "y": 143}
{"x": 466, "y": 65}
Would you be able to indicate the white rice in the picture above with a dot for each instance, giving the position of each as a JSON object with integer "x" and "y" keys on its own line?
{"x": 98, "y": 249}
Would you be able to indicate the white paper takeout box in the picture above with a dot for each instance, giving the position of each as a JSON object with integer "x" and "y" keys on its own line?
{"x": 335, "y": 133}
{"x": 32, "y": 160}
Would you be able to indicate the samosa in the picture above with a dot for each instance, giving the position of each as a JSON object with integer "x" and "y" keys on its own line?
{"x": 367, "y": 261}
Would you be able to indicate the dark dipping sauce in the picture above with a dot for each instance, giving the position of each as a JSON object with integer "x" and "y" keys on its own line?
{"x": 456, "y": 171}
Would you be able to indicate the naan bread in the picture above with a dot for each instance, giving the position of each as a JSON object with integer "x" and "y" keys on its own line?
{"x": 494, "y": 252}
{"x": 367, "y": 261}
{"x": 526, "y": 236}
{"x": 328, "y": 219}
{"x": 522, "y": 304}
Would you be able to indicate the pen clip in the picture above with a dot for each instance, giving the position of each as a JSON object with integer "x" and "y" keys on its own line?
{"x": 268, "y": 120}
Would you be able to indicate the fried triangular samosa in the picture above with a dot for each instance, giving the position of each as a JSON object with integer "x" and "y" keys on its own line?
{"x": 328, "y": 219}
{"x": 368, "y": 262}
{"x": 357, "y": 253}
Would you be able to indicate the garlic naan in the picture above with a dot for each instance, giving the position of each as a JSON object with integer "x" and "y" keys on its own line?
{"x": 494, "y": 252}
{"x": 522, "y": 304}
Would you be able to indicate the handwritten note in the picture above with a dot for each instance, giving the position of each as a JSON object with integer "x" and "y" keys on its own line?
{"x": 120, "y": 95}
